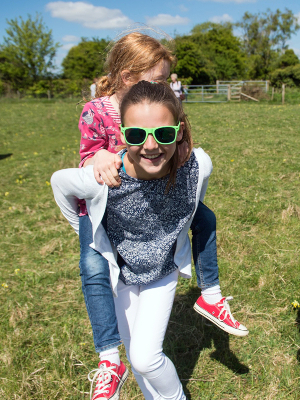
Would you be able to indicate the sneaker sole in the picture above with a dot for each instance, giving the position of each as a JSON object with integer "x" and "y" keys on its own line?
{"x": 122, "y": 381}
{"x": 220, "y": 324}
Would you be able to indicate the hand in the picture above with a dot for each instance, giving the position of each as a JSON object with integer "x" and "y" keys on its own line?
{"x": 106, "y": 167}
{"x": 183, "y": 150}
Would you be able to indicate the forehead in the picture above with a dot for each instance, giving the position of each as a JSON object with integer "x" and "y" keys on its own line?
{"x": 160, "y": 72}
{"x": 148, "y": 115}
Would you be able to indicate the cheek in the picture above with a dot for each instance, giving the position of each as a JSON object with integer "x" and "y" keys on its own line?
{"x": 170, "y": 150}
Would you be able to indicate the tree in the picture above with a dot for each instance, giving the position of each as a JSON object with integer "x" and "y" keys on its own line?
{"x": 27, "y": 52}
{"x": 288, "y": 59}
{"x": 264, "y": 39}
{"x": 86, "y": 60}
{"x": 289, "y": 75}
{"x": 209, "y": 53}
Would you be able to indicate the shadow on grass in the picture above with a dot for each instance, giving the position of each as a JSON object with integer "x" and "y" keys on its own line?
{"x": 189, "y": 334}
{"x": 3, "y": 156}
{"x": 298, "y": 326}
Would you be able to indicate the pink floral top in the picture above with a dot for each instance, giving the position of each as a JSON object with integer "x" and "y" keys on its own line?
{"x": 99, "y": 126}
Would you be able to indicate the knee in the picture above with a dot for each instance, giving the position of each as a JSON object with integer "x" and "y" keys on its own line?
{"x": 204, "y": 219}
{"x": 93, "y": 267}
{"x": 144, "y": 363}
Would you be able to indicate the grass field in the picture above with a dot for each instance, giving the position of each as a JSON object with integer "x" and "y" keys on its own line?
{"x": 46, "y": 345}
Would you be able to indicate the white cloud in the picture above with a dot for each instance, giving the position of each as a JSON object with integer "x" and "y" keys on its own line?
{"x": 183, "y": 8}
{"x": 222, "y": 18}
{"x": 70, "y": 38}
{"x": 88, "y": 15}
{"x": 68, "y": 46}
{"x": 166, "y": 20}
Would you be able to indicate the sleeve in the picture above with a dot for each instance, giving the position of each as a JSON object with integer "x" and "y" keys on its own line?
{"x": 206, "y": 165}
{"x": 93, "y": 133}
{"x": 68, "y": 186}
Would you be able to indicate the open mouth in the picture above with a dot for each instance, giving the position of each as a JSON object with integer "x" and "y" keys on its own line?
{"x": 151, "y": 156}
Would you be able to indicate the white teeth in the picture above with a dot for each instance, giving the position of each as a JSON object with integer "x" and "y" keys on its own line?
{"x": 151, "y": 156}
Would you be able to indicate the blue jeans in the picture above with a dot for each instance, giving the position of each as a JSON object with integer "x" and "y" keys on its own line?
{"x": 204, "y": 245}
{"x": 94, "y": 272}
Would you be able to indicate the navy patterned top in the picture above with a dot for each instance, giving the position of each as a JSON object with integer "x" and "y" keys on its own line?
{"x": 143, "y": 222}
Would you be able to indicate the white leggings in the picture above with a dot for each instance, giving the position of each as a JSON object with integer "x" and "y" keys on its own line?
{"x": 143, "y": 314}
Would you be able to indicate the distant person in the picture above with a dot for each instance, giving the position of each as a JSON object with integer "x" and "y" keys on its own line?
{"x": 93, "y": 88}
{"x": 186, "y": 92}
{"x": 177, "y": 87}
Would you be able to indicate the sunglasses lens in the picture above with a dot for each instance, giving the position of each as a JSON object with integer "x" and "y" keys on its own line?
{"x": 135, "y": 136}
{"x": 165, "y": 134}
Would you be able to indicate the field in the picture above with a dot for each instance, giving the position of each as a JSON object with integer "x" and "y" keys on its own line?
{"x": 46, "y": 345}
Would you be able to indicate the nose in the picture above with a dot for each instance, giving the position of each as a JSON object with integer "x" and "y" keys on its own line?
{"x": 151, "y": 143}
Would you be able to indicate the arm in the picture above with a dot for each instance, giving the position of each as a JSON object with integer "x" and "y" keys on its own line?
{"x": 206, "y": 166}
{"x": 106, "y": 167}
{"x": 93, "y": 147}
{"x": 68, "y": 186}
{"x": 93, "y": 135}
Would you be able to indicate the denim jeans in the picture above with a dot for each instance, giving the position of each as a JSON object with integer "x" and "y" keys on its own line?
{"x": 96, "y": 288}
{"x": 204, "y": 245}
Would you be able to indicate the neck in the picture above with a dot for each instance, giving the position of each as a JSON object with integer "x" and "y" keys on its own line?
{"x": 116, "y": 99}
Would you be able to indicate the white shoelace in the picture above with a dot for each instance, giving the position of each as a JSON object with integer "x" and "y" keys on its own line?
{"x": 226, "y": 310}
{"x": 103, "y": 377}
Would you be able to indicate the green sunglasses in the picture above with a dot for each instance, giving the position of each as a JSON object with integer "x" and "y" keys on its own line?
{"x": 137, "y": 136}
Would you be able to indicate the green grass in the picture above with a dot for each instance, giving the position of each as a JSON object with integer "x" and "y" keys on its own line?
{"x": 46, "y": 345}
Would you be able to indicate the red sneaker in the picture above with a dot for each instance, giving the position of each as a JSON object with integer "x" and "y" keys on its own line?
{"x": 109, "y": 380}
{"x": 219, "y": 313}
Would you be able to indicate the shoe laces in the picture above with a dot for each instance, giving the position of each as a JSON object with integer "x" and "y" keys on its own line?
{"x": 226, "y": 310}
{"x": 103, "y": 377}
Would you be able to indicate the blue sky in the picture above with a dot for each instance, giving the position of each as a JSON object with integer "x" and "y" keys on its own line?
{"x": 71, "y": 20}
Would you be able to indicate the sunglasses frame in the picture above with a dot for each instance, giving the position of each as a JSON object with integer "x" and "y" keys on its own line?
{"x": 149, "y": 130}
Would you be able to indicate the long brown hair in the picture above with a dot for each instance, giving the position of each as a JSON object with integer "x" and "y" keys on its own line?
{"x": 135, "y": 52}
{"x": 161, "y": 93}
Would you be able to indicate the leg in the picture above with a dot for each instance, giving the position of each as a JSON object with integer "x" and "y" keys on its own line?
{"x": 126, "y": 308}
{"x": 205, "y": 247}
{"x": 94, "y": 271}
{"x": 211, "y": 305}
{"x": 143, "y": 318}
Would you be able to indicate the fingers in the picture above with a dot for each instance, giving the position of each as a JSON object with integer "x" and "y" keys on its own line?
{"x": 111, "y": 177}
{"x": 108, "y": 176}
{"x": 118, "y": 161}
{"x": 98, "y": 177}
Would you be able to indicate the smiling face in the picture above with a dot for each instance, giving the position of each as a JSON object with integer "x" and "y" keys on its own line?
{"x": 150, "y": 160}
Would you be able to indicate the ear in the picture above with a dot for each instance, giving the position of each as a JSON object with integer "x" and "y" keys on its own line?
{"x": 180, "y": 132}
{"x": 122, "y": 136}
{"x": 127, "y": 77}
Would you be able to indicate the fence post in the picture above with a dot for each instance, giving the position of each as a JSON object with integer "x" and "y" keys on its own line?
{"x": 49, "y": 94}
{"x": 272, "y": 93}
{"x": 267, "y": 86}
{"x": 217, "y": 83}
{"x": 228, "y": 92}
{"x": 202, "y": 94}
{"x": 283, "y": 92}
